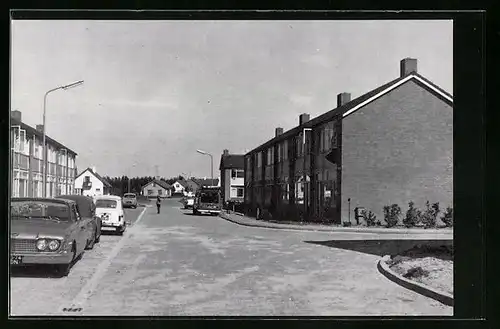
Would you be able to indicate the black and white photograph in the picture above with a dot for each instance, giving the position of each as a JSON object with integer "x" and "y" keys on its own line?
{"x": 231, "y": 168}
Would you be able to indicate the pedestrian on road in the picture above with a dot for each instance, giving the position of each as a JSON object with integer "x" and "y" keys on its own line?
{"x": 158, "y": 203}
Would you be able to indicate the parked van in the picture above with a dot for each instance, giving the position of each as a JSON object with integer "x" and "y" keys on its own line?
{"x": 207, "y": 201}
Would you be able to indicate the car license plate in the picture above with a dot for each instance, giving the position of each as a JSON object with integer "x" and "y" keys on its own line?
{"x": 16, "y": 260}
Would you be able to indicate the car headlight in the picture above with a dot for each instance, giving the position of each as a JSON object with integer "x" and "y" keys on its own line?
{"x": 41, "y": 244}
{"x": 54, "y": 245}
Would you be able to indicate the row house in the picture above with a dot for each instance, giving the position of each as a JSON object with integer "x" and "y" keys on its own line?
{"x": 393, "y": 144}
{"x": 27, "y": 162}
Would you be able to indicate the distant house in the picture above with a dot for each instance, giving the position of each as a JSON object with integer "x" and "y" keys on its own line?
{"x": 207, "y": 182}
{"x": 191, "y": 186}
{"x": 90, "y": 183}
{"x": 232, "y": 176}
{"x": 179, "y": 186}
{"x": 156, "y": 188}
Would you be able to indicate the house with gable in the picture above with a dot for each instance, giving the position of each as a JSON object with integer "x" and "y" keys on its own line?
{"x": 90, "y": 183}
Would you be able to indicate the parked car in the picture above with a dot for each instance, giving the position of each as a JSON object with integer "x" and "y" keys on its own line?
{"x": 130, "y": 200}
{"x": 86, "y": 206}
{"x": 207, "y": 200}
{"x": 109, "y": 208}
{"x": 188, "y": 202}
{"x": 47, "y": 231}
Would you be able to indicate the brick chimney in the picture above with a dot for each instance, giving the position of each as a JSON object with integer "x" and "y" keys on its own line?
{"x": 93, "y": 169}
{"x": 16, "y": 115}
{"x": 407, "y": 66}
{"x": 278, "y": 131}
{"x": 303, "y": 118}
{"x": 226, "y": 152}
{"x": 39, "y": 128}
{"x": 343, "y": 98}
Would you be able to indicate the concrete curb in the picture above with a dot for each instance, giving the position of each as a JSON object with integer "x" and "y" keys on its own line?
{"x": 335, "y": 229}
{"x": 417, "y": 287}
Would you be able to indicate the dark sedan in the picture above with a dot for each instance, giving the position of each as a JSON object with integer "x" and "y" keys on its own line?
{"x": 47, "y": 231}
{"x": 86, "y": 206}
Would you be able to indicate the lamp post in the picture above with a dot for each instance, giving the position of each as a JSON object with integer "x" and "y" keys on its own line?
{"x": 44, "y": 178}
{"x": 211, "y": 162}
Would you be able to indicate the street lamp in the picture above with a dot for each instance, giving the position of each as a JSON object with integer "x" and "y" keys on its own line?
{"x": 211, "y": 163}
{"x": 66, "y": 87}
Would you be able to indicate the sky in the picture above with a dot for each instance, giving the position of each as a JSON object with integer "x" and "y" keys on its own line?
{"x": 156, "y": 91}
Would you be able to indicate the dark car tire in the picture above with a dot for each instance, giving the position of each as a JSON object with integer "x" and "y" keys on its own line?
{"x": 63, "y": 269}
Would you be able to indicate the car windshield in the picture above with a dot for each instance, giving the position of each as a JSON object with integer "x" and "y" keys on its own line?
{"x": 103, "y": 203}
{"x": 34, "y": 209}
{"x": 129, "y": 196}
{"x": 207, "y": 197}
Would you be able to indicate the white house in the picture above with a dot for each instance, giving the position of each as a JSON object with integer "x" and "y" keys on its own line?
{"x": 90, "y": 183}
{"x": 179, "y": 187}
{"x": 157, "y": 188}
{"x": 232, "y": 174}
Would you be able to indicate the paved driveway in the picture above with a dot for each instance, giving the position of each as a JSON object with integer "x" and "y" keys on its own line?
{"x": 179, "y": 264}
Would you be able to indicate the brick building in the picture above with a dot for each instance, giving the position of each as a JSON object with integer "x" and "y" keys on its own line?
{"x": 27, "y": 162}
{"x": 393, "y": 144}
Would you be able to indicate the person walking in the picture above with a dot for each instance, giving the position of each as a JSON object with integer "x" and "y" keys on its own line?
{"x": 158, "y": 203}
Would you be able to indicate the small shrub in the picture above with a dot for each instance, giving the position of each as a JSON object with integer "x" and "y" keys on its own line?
{"x": 415, "y": 272}
{"x": 391, "y": 215}
{"x": 447, "y": 218}
{"x": 413, "y": 215}
{"x": 371, "y": 219}
{"x": 429, "y": 217}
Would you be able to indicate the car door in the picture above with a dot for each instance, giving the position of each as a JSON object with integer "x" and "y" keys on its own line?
{"x": 81, "y": 233}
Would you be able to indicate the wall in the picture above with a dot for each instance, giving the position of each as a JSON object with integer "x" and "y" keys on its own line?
{"x": 226, "y": 184}
{"x": 397, "y": 149}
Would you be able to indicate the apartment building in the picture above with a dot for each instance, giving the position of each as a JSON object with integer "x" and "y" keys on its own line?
{"x": 27, "y": 162}
{"x": 391, "y": 145}
{"x": 232, "y": 177}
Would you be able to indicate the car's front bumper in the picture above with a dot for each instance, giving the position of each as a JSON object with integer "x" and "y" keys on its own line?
{"x": 64, "y": 257}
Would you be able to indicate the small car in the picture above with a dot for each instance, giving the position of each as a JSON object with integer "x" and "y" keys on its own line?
{"x": 188, "y": 202}
{"x": 130, "y": 200}
{"x": 109, "y": 209}
{"x": 47, "y": 231}
{"x": 86, "y": 206}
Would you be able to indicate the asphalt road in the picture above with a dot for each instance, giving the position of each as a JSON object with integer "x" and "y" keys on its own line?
{"x": 175, "y": 263}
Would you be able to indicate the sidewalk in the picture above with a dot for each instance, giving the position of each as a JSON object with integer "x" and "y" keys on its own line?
{"x": 248, "y": 221}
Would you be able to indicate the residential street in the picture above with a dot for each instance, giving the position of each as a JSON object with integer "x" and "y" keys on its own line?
{"x": 176, "y": 263}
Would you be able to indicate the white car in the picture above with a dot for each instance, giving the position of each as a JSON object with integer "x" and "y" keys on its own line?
{"x": 109, "y": 208}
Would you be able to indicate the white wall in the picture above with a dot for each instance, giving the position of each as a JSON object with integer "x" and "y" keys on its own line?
{"x": 178, "y": 187}
{"x": 97, "y": 186}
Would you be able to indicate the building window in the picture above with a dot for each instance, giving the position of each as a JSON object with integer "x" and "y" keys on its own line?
{"x": 150, "y": 192}
{"x": 239, "y": 192}
{"x": 259, "y": 159}
{"x": 159, "y": 192}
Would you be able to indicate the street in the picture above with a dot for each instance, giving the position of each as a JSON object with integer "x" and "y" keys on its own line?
{"x": 176, "y": 263}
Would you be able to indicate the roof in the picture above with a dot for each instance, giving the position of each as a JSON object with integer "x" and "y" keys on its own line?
{"x": 65, "y": 201}
{"x": 182, "y": 182}
{"x": 358, "y": 103}
{"x": 207, "y": 182}
{"x": 232, "y": 161}
{"x": 192, "y": 184}
{"x": 109, "y": 197}
{"x": 99, "y": 177}
{"x": 163, "y": 184}
{"x": 33, "y": 131}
